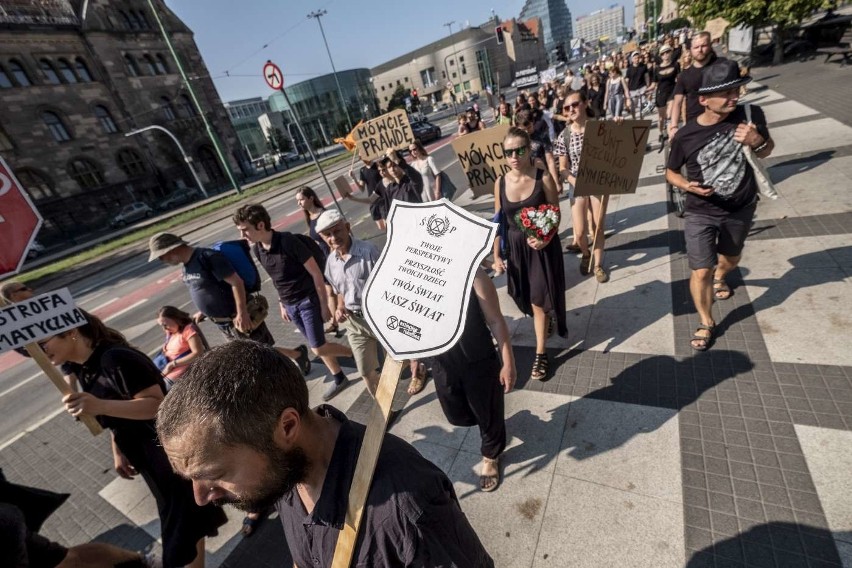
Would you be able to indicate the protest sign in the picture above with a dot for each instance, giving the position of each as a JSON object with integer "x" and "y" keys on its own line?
{"x": 39, "y": 317}
{"x": 23, "y": 324}
{"x": 629, "y": 47}
{"x": 343, "y": 187}
{"x": 481, "y": 156}
{"x": 415, "y": 302}
{"x": 547, "y": 75}
{"x": 390, "y": 131}
{"x": 612, "y": 157}
{"x": 416, "y": 298}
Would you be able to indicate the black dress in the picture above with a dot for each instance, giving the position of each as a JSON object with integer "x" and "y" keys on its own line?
{"x": 534, "y": 276}
{"x": 117, "y": 373}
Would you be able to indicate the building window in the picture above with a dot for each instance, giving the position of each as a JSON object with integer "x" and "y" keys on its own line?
{"x": 383, "y": 87}
{"x": 463, "y": 70}
{"x": 66, "y": 71}
{"x": 86, "y": 173}
{"x": 19, "y": 74}
{"x": 143, "y": 20}
{"x": 461, "y": 59}
{"x": 184, "y": 107}
{"x": 406, "y": 79}
{"x": 56, "y": 126}
{"x": 452, "y": 62}
{"x": 5, "y": 142}
{"x": 454, "y": 74}
{"x": 5, "y": 81}
{"x": 168, "y": 109}
{"x": 131, "y": 163}
{"x": 210, "y": 164}
{"x": 160, "y": 62}
{"x": 49, "y": 72}
{"x": 152, "y": 67}
{"x": 82, "y": 70}
{"x": 125, "y": 19}
{"x": 37, "y": 185}
{"x": 105, "y": 118}
{"x": 131, "y": 65}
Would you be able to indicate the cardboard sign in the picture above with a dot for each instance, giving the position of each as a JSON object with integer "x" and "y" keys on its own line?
{"x": 629, "y": 47}
{"x": 343, "y": 187}
{"x": 390, "y": 131}
{"x": 481, "y": 156}
{"x": 39, "y": 317}
{"x": 416, "y": 298}
{"x": 612, "y": 157}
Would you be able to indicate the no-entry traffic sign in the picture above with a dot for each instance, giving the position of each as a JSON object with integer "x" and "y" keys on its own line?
{"x": 273, "y": 76}
{"x": 19, "y": 222}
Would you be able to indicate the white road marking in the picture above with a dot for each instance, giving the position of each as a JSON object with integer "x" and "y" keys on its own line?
{"x": 19, "y": 385}
{"x": 105, "y": 304}
{"x": 32, "y": 428}
{"x": 127, "y": 309}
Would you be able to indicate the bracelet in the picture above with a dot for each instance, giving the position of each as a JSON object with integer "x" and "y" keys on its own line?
{"x": 760, "y": 148}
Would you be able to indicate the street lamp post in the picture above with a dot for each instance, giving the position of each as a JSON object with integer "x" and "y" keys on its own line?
{"x": 318, "y": 14}
{"x": 177, "y": 143}
{"x": 449, "y": 26}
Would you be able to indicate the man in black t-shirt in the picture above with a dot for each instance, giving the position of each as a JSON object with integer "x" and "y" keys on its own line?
{"x": 720, "y": 186}
{"x": 637, "y": 82}
{"x": 298, "y": 279}
{"x": 370, "y": 179}
{"x": 218, "y": 292}
{"x": 689, "y": 81}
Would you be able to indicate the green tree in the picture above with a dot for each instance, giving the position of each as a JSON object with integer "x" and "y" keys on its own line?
{"x": 397, "y": 99}
{"x": 780, "y": 15}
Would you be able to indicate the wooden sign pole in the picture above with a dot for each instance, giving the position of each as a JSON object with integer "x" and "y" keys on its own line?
{"x": 38, "y": 355}
{"x": 599, "y": 230}
{"x": 367, "y": 458}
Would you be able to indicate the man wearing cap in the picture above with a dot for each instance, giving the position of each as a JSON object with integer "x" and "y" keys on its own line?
{"x": 347, "y": 268}
{"x": 217, "y": 291}
{"x": 721, "y": 190}
{"x": 298, "y": 279}
{"x": 689, "y": 81}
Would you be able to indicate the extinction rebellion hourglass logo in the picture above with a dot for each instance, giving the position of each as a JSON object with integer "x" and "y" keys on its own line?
{"x": 438, "y": 226}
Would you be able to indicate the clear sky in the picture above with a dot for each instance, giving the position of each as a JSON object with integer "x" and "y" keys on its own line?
{"x": 238, "y": 36}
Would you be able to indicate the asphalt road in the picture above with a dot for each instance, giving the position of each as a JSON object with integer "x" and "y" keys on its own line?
{"x": 127, "y": 294}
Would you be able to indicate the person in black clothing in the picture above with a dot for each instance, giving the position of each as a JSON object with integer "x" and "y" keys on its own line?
{"x": 472, "y": 377}
{"x": 665, "y": 78}
{"x": 123, "y": 389}
{"x": 689, "y": 81}
{"x": 370, "y": 179}
{"x": 721, "y": 190}
{"x": 638, "y": 81}
{"x": 263, "y": 444}
{"x": 298, "y": 279}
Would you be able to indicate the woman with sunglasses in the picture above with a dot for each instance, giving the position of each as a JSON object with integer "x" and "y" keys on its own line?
{"x": 184, "y": 342}
{"x": 534, "y": 271}
{"x": 425, "y": 165}
{"x": 568, "y": 149}
{"x": 123, "y": 389}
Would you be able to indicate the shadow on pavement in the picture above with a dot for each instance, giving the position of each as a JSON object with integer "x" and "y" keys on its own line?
{"x": 787, "y": 169}
{"x": 771, "y": 544}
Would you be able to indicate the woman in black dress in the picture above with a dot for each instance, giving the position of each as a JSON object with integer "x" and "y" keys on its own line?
{"x": 534, "y": 269}
{"x": 123, "y": 389}
{"x": 665, "y": 77}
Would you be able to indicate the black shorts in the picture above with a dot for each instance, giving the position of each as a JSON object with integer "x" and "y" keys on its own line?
{"x": 663, "y": 97}
{"x": 708, "y": 236}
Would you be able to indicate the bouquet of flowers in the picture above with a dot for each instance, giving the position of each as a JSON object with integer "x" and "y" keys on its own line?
{"x": 540, "y": 222}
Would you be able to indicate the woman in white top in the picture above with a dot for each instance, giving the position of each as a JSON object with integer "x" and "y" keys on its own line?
{"x": 425, "y": 164}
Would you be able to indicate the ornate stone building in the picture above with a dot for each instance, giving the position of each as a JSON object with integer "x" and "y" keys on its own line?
{"x": 72, "y": 83}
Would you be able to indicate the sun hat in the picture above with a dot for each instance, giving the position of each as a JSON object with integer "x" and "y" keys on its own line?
{"x": 329, "y": 218}
{"x": 721, "y": 75}
{"x": 161, "y": 243}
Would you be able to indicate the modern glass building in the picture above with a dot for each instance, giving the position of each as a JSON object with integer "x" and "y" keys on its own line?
{"x": 555, "y": 21}
{"x": 318, "y": 106}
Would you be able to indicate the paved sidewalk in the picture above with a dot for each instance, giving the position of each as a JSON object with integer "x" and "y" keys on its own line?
{"x": 638, "y": 452}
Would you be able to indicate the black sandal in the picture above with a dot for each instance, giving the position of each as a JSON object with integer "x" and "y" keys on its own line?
{"x": 540, "y": 368}
{"x": 705, "y": 339}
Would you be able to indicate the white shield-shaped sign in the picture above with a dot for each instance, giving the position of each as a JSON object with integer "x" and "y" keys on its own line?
{"x": 416, "y": 298}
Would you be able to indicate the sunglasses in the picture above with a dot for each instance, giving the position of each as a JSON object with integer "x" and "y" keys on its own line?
{"x": 574, "y": 105}
{"x": 520, "y": 151}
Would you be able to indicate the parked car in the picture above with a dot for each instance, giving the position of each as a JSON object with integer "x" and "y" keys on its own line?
{"x": 180, "y": 197}
{"x": 425, "y": 131}
{"x": 443, "y": 106}
{"x": 36, "y": 250}
{"x": 130, "y": 213}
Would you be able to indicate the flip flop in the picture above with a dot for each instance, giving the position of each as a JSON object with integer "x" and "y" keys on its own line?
{"x": 489, "y": 483}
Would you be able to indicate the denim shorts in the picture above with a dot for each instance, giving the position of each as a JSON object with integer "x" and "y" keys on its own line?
{"x": 307, "y": 315}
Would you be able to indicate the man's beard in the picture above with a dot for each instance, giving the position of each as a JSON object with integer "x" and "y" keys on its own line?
{"x": 286, "y": 468}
